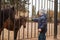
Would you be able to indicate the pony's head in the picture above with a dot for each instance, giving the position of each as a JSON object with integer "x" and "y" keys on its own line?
{"x": 23, "y": 21}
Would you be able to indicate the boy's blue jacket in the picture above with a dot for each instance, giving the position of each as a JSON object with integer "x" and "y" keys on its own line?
{"x": 42, "y": 22}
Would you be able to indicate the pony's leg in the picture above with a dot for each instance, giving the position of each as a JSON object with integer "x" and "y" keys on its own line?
{"x": 15, "y": 33}
{"x": 0, "y": 35}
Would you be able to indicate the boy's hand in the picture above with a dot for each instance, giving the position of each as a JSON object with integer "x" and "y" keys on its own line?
{"x": 31, "y": 19}
{"x": 39, "y": 30}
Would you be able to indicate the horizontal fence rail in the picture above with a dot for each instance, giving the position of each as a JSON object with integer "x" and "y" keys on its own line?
{"x": 31, "y": 33}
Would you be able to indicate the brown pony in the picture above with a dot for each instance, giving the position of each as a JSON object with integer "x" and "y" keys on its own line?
{"x": 10, "y": 23}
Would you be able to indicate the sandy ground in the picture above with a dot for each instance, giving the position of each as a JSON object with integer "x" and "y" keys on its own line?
{"x": 30, "y": 32}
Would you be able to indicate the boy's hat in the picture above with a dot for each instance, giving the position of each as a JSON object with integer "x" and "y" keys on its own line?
{"x": 43, "y": 11}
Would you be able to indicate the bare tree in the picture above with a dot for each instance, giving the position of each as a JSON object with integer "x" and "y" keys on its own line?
{"x": 33, "y": 11}
{"x": 22, "y": 4}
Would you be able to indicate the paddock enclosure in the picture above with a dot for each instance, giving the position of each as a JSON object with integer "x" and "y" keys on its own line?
{"x": 31, "y": 9}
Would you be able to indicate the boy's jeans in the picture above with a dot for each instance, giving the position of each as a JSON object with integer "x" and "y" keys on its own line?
{"x": 42, "y": 36}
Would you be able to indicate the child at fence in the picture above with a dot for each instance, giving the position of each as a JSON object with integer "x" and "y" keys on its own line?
{"x": 42, "y": 24}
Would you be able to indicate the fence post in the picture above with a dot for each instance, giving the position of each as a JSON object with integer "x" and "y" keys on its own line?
{"x": 0, "y": 16}
{"x": 0, "y": 6}
{"x": 55, "y": 17}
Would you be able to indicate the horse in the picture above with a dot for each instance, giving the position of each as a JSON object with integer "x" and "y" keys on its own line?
{"x": 15, "y": 26}
{"x": 8, "y": 21}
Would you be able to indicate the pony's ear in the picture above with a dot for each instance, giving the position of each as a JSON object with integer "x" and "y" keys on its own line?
{"x": 12, "y": 8}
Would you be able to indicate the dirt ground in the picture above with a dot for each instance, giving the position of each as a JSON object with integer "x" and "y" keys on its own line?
{"x": 30, "y": 32}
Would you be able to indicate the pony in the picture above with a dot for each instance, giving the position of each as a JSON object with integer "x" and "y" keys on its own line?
{"x": 8, "y": 21}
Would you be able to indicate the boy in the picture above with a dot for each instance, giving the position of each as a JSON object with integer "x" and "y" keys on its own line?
{"x": 42, "y": 25}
